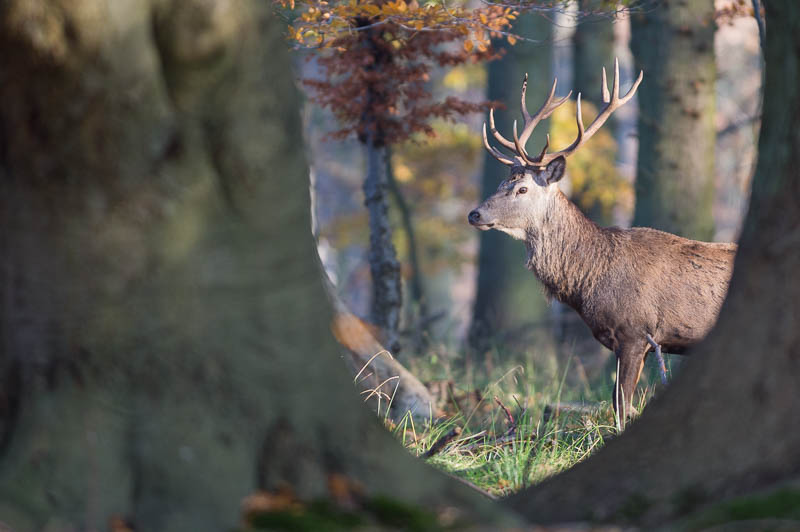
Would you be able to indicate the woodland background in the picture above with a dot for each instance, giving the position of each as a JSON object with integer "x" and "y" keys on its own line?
{"x": 167, "y": 360}
{"x": 466, "y": 296}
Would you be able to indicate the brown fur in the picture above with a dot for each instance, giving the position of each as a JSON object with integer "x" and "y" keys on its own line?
{"x": 624, "y": 283}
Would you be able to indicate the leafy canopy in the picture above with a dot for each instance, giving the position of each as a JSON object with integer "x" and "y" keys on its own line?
{"x": 376, "y": 57}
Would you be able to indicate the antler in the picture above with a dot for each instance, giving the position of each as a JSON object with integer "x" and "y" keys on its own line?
{"x": 612, "y": 101}
{"x": 517, "y": 146}
{"x": 521, "y": 157}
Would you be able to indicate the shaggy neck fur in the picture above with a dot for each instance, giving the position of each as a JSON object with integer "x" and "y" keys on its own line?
{"x": 566, "y": 250}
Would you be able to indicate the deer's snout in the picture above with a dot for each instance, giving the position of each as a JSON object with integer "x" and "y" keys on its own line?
{"x": 481, "y": 221}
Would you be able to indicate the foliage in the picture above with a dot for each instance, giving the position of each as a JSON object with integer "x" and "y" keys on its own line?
{"x": 376, "y": 56}
{"x": 729, "y": 10}
{"x": 596, "y": 183}
{"x": 376, "y": 59}
{"x": 322, "y": 22}
{"x": 346, "y": 508}
{"x": 434, "y": 175}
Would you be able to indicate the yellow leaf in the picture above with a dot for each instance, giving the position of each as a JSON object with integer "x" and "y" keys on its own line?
{"x": 483, "y": 18}
{"x": 512, "y": 40}
{"x": 468, "y": 45}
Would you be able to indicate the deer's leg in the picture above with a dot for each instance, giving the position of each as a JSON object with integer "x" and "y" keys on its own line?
{"x": 662, "y": 368}
{"x": 631, "y": 362}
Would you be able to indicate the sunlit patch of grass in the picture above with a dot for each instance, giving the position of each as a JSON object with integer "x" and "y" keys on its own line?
{"x": 555, "y": 421}
{"x": 501, "y": 463}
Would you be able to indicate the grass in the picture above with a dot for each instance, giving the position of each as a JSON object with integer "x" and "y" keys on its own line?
{"x": 500, "y": 456}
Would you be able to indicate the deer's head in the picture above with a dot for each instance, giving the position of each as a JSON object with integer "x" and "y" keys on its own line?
{"x": 523, "y": 197}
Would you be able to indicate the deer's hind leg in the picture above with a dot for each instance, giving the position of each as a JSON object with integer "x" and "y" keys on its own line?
{"x": 630, "y": 358}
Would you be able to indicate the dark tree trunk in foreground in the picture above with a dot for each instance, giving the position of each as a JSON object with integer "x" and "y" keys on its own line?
{"x": 727, "y": 425}
{"x": 674, "y": 45}
{"x": 165, "y": 340}
{"x": 508, "y": 295}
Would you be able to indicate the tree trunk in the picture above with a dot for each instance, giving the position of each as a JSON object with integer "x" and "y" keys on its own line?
{"x": 725, "y": 427}
{"x": 164, "y": 331}
{"x": 387, "y": 290}
{"x": 417, "y": 311}
{"x": 508, "y": 295}
{"x": 674, "y": 45}
{"x": 388, "y": 387}
{"x": 593, "y": 45}
{"x": 593, "y": 49}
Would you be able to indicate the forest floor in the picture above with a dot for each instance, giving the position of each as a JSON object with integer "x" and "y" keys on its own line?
{"x": 518, "y": 417}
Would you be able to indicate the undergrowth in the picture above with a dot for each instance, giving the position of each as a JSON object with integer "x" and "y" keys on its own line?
{"x": 518, "y": 417}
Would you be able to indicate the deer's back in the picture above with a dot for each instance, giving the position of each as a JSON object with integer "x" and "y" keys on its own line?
{"x": 661, "y": 284}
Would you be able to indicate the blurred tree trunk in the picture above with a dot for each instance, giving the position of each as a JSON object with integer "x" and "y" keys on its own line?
{"x": 387, "y": 288}
{"x": 164, "y": 331}
{"x": 724, "y": 427}
{"x": 674, "y": 45}
{"x": 417, "y": 317}
{"x": 593, "y": 49}
{"x": 593, "y": 45}
{"x": 508, "y": 295}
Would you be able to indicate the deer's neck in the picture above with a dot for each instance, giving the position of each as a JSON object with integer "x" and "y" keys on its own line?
{"x": 566, "y": 251}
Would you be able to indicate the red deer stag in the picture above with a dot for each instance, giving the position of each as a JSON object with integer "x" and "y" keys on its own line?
{"x": 637, "y": 289}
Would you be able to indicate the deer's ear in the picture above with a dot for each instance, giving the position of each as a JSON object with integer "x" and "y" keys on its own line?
{"x": 554, "y": 171}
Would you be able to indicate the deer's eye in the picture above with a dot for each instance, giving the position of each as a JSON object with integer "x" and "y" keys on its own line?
{"x": 522, "y": 190}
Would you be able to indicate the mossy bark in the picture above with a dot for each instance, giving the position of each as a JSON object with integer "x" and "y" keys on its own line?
{"x": 725, "y": 426}
{"x": 164, "y": 331}
{"x": 674, "y": 44}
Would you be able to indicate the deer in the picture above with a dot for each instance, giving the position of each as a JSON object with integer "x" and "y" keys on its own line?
{"x": 639, "y": 290}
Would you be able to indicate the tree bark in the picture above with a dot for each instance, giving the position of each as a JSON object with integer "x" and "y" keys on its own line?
{"x": 507, "y": 294}
{"x": 593, "y": 45}
{"x": 417, "y": 313}
{"x": 725, "y": 426}
{"x": 674, "y": 45}
{"x": 390, "y": 389}
{"x": 593, "y": 49}
{"x": 387, "y": 290}
{"x": 164, "y": 331}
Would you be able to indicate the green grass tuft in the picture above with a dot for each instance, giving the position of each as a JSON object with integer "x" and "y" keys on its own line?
{"x": 526, "y": 382}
